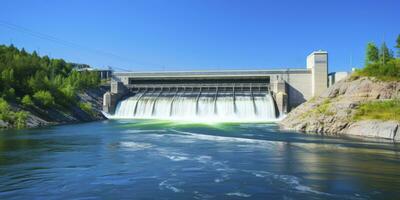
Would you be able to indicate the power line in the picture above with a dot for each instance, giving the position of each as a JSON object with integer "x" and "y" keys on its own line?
{"x": 69, "y": 44}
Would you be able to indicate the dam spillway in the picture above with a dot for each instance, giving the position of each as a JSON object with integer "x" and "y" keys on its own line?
{"x": 225, "y": 95}
{"x": 198, "y": 104}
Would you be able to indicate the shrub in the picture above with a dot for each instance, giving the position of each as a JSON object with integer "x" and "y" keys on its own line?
{"x": 4, "y": 110}
{"x": 16, "y": 119}
{"x": 27, "y": 101}
{"x": 68, "y": 91}
{"x": 44, "y": 97}
{"x": 20, "y": 119}
{"x": 87, "y": 107}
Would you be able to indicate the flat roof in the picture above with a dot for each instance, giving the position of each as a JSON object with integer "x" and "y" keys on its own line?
{"x": 212, "y": 73}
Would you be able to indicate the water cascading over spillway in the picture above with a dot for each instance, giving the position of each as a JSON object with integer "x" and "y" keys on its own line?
{"x": 197, "y": 105}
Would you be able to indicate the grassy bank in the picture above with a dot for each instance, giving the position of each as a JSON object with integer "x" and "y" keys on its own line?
{"x": 381, "y": 110}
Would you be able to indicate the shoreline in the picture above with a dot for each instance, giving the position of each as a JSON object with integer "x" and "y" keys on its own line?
{"x": 40, "y": 117}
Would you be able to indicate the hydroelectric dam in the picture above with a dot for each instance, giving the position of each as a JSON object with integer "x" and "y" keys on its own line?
{"x": 227, "y": 95}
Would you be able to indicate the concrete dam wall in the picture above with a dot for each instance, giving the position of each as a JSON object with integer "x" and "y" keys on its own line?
{"x": 230, "y": 95}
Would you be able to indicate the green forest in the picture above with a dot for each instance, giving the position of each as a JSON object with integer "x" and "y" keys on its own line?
{"x": 38, "y": 82}
{"x": 381, "y": 62}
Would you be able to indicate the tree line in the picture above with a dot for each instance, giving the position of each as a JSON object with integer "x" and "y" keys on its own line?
{"x": 381, "y": 62}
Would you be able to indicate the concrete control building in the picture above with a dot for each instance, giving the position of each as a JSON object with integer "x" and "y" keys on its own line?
{"x": 289, "y": 87}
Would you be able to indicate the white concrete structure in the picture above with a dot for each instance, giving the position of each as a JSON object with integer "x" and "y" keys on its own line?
{"x": 336, "y": 76}
{"x": 318, "y": 63}
{"x": 294, "y": 86}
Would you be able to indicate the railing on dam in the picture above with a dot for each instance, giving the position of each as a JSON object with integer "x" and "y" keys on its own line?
{"x": 205, "y": 87}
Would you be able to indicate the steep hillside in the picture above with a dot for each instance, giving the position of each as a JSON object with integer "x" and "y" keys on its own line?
{"x": 38, "y": 117}
{"x": 37, "y": 90}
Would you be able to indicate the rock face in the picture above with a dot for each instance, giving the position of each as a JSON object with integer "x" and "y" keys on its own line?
{"x": 44, "y": 117}
{"x": 332, "y": 112}
{"x": 3, "y": 124}
{"x": 374, "y": 128}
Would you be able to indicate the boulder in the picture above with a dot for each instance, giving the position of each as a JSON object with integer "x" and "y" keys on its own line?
{"x": 3, "y": 124}
{"x": 374, "y": 128}
{"x": 397, "y": 136}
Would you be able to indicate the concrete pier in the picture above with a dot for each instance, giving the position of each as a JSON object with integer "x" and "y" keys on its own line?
{"x": 111, "y": 98}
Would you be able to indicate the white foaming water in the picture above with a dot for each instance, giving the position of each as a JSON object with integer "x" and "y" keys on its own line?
{"x": 197, "y": 108}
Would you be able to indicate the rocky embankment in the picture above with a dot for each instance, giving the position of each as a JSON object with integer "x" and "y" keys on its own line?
{"x": 332, "y": 113}
{"x": 74, "y": 114}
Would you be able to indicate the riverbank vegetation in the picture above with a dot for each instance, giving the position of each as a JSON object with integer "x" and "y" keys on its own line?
{"x": 380, "y": 110}
{"x": 37, "y": 82}
{"x": 15, "y": 119}
{"x": 381, "y": 63}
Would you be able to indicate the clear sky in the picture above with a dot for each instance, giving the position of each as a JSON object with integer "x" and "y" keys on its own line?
{"x": 199, "y": 34}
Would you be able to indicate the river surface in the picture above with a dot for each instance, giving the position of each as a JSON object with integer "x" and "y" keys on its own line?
{"x": 165, "y": 160}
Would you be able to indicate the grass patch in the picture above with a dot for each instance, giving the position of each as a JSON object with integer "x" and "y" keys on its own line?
{"x": 321, "y": 109}
{"x": 312, "y": 100}
{"x": 382, "y": 110}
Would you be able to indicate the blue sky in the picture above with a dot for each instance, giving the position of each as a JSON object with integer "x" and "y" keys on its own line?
{"x": 199, "y": 34}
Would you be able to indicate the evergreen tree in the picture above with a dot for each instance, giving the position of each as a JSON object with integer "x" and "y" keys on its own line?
{"x": 372, "y": 55}
{"x": 23, "y": 52}
{"x": 34, "y": 54}
{"x": 385, "y": 54}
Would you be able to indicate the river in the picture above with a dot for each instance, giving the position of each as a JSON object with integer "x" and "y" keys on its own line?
{"x": 150, "y": 159}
